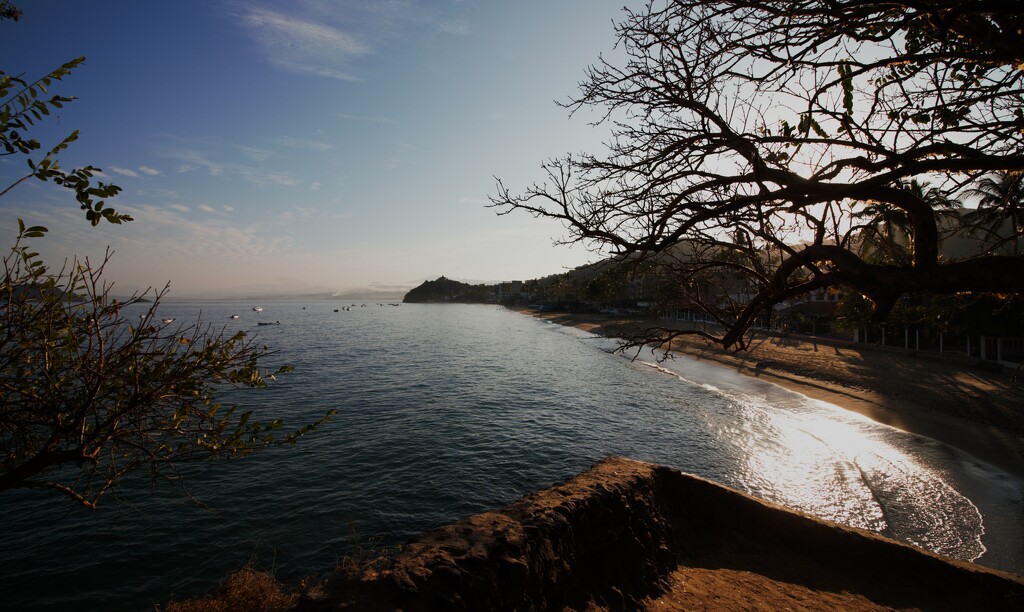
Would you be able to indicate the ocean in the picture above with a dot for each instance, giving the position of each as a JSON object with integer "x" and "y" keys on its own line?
{"x": 448, "y": 410}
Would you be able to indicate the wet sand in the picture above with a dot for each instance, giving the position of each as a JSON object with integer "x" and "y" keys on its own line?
{"x": 973, "y": 407}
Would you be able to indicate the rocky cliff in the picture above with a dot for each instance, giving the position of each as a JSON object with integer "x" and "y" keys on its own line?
{"x": 626, "y": 532}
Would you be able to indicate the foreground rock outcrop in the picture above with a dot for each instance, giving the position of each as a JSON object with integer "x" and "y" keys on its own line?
{"x": 627, "y": 533}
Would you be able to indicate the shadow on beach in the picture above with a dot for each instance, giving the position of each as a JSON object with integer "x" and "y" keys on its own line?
{"x": 974, "y": 407}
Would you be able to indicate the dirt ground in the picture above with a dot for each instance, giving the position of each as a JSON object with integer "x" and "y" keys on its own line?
{"x": 722, "y": 588}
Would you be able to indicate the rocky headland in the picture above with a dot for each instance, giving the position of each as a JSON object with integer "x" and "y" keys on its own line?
{"x": 632, "y": 535}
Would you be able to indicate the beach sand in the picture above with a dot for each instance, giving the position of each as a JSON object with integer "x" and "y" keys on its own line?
{"x": 973, "y": 407}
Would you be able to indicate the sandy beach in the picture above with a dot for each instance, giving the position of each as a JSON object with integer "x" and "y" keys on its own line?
{"x": 972, "y": 407}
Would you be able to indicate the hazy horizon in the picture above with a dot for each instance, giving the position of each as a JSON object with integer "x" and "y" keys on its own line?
{"x": 369, "y": 292}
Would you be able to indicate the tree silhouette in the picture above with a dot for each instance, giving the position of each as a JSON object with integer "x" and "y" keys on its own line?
{"x": 785, "y": 120}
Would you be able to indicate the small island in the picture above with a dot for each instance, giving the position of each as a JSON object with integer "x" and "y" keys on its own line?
{"x": 448, "y": 291}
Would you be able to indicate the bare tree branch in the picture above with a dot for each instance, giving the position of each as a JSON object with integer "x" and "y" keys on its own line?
{"x": 786, "y": 120}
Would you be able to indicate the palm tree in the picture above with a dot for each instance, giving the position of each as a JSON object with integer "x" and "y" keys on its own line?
{"x": 1001, "y": 199}
{"x": 887, "y": 235}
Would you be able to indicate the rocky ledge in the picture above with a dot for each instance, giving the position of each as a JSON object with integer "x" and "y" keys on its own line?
{"x": 627, "y": 534}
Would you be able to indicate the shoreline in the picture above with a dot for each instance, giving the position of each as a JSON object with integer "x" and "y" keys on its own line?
{"x": 977, "y": 411}
{"x": 689, "y": 543}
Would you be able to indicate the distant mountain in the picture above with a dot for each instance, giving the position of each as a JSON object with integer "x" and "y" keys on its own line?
{"x": 444, "y": 290}
{"x": 34, "y": 292}
{"x": 368, "y": 295}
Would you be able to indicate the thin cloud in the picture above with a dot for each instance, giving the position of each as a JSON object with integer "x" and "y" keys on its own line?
{"x": 454, "y": 27}
{"x": 159, "y": 194}
{"x": 123, "y": 171}
{"x": 195, "y": 160}
{"x": 219, "y": 211}
{"x": 160, "y": 234}
{"x": 262, "y": 178}
{"x": 329, "y": 38}
{"x": 303, "y": 46}
{"x": 255, "y": 153}
{"x": 301, "y": 143}
{"x": 192, "y": 161}
{"x": 398, "y": 158}
{"x": 149, "y": 171}
{"x": 366, "y": 118}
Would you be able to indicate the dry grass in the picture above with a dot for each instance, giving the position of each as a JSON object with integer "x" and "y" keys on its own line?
{"x": 252, "y": 589}
{"x": 248, "y": 589}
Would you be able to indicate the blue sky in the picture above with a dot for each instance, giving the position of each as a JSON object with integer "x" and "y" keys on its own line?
{"x": 312, "y": 145}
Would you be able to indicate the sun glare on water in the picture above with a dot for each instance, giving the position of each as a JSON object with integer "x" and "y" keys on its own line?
{"x": 809, "y": 455}
{"x": 856, "y": 472}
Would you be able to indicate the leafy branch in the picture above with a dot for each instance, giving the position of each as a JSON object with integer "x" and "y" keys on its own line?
{"x": 22, "y": 106}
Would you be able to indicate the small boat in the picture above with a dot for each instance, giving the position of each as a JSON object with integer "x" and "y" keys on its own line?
{"x": 268, "y": 323}
{"x": 234, "y": 316}
{"x": 168, "y": 321}
{"x": 257, "y": 308}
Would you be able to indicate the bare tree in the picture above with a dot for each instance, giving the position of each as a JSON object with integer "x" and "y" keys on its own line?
{"x": 784, "y": 121}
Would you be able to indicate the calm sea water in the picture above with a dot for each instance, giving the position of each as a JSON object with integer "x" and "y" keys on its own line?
{"x": 445, "y": 411}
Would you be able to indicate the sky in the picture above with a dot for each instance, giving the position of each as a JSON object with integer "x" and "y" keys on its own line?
{"x": 307, "y": 146}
